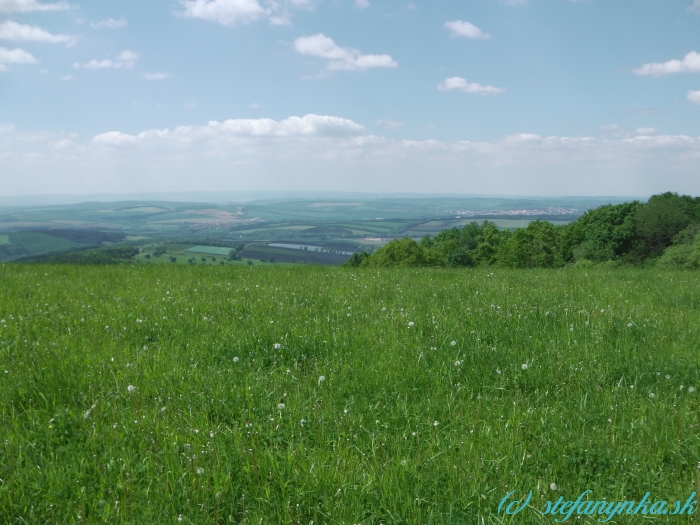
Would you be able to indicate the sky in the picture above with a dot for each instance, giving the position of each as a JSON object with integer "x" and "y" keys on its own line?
{"x": 507, "y": 97}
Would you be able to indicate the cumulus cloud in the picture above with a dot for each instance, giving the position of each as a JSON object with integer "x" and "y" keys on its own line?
{"x": 109, "y": 23}
{"x": 156, "y": 76}
{"x": 362, "y": 4}
{"x": 389, "y": 124}
{"x": 15, "y": 56}
{"x": 308, "y": 125}
{"x": 124, "y": 60}
{"x": 340, "y": 58}
{"x": 694, "y": 97}
{"x": 26, "y": 6}
{"x": 689, "y": 64}
{"x": 16, "y": 32}
{"x": 332, "y": 153}
{"x": 466, "y": 29}
{"x": 225, "y": 12}
{"x": 644, "y": 131}
{"x": 461, "y": 84}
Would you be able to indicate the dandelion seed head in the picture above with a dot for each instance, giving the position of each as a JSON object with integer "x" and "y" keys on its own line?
{"x": 553, "y": 486}
{"x": 321, "y": 379}
{"x": 652, "y": 395}
{"x": 200, "y": 471}
{"x": 524, "y": 366}
{"x": 629, "y": 325}
{"x": 458, "y": 363}
{"x": 436, "y": 423}
{"x": 130, "y": 388}
{"x": 410, "y": 324}
{"x": 280, "y": 406}
{"x": 235, "y": 360}
{"x": 668, "y": 377}
{"x": 454, "y": 343}
{"x": 691, "y": 389}
{"x": 277, "y": 346}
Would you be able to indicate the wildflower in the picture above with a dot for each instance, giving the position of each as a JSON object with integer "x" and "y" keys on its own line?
{"x": 145, "y": 347}
{"x": 321, "y": 380}
{"x": 652, "y": 395}
{"x": 436, "y": 424}
{"x": 403, "y": 463}
{"x": 454, "y": 343}
{"x": 681, "y": 387}
{"x": 200, "y": 471}
{"x": 277, "y": 346}
{"x": 629, "y": 325}
{"x": 410, "y": 324}
{"x": 131, "y": 388}
{"x": 691, "y": 389}
{"x": 553, "y": 486}
{"x": 346, "y": 410}
{"x": 211, "y": 434}
{"x": 179, "y": 518}
{"x": 280, "y": 406}
{"x": 302, "y": 422}
{"x": 162, "y": 409}
{"x": 668, "y": 377}
{"x": 86, "y": 415}
{"x": 235, "y": 360}
{"x": 383, "y": 309}
{"x": 632, "y": 386}
{"x": 458, "y": 363}
{"x": 524, "y": 366}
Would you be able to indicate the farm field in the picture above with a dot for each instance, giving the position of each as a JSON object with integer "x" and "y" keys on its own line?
{"x": 297, "y": 394}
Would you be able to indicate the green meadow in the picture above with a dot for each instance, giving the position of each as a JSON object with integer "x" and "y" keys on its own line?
{"x": 167, "y": 393}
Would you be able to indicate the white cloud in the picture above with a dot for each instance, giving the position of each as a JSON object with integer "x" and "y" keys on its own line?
{"x": 109, "y": 23}
{"x": 362, "y": 4}
{"x": 15, "y": 56}
{"x": 156, "y": 76}
{"x": 389, "y": 124}
{"x": 466, "y": 29}
{"x": 331, "y": 153}
{"x": 225, "y": 12}
{"x": 340, "y": 57}
{"x": 25, "y": 6}
{"x": 694, "y": 97}
{"x": 125, "y": 60}
{"x": 308, "y": 125}
{"x": 645, "y": 131}
{"x": 695, "y": 7}
{"x": 16, "y": 32}
{"x": 689, "y": 64}
{"x": 7, "y": 128}
{"x": 461, "y": 84}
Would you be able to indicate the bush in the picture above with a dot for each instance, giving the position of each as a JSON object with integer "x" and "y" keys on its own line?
{"x": 403, "y": 253}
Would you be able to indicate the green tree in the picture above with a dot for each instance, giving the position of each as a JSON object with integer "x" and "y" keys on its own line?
{"x": 403, "y": 253}
{"x": 603, "y": 234}
{"x": 664, "y": 216}
{"x": 531, "y": 247}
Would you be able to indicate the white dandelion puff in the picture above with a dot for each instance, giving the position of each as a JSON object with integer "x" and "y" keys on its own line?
{"x": 130, "y": 388}
{"x": 454, "y": 343}
{"x": 668, "y": 377}
{"x": 436, "y": 423}
{"x": 200, "y": 471}
{"x": 458, "y": 363}
{"x": 524, "y": 366}
{"x": 410, "y": 324}
{"x": 280, "y": 406}
{"x": 277, "y": 346}
{"x": 629, "y": 325}
{"x": 235, "y": 360}
{"x": 321, "y": 380}
{"x": 691, "y": 389}
{"x": 553, "y": 486}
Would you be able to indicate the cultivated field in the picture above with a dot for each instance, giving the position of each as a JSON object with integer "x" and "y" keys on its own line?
{"x": 178, "y": 394}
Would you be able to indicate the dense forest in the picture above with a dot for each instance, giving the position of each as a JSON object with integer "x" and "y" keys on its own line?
{"x": 663, "y": 232}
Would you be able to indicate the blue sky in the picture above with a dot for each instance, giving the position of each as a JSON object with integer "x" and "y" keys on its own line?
{"x": 522, "y": 97}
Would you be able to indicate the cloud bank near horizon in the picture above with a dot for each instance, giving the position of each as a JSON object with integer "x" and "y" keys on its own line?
{"x": 322, "y": 152}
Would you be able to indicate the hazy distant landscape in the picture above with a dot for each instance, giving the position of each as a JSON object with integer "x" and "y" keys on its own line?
{"x": 334, "y": 225}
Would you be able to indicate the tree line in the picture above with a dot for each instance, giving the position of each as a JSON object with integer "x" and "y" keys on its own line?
{"x": 665, "y": 231}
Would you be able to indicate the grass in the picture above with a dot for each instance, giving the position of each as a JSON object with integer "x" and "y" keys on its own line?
{"x": 175, "y": 394}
